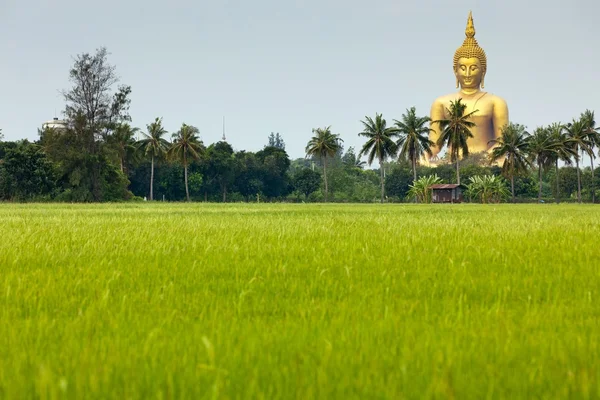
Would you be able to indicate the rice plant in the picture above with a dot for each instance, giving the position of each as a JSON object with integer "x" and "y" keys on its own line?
{"x": 233, "y": 301}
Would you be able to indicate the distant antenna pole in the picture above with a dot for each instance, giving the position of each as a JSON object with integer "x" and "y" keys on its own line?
{"x": 223, "y": 138}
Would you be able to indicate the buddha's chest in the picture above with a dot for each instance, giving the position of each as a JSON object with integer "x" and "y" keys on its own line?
{"x": 482, "y": 105}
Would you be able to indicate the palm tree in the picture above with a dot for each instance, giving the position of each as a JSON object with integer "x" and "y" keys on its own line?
{"x": 379, "y": 143}
{"x": 563, "y": 150}
{"x": 414, "y": 138}
{"x": 593, "y": 138}
{"x": 455, "y": 131}
{"x": 576, "y": 131}
{"x": 155, "y": 145}
{"x": 512, "y": 146}
{"x": 358, "y": 163}
{"x": 541, "y": 149}
{"x": 186, "y": 144}
{"x": 324, "y": 144}
{"x": 124, "y": 141}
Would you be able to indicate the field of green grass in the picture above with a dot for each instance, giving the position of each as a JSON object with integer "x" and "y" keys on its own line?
{"x": 198, "y": 301}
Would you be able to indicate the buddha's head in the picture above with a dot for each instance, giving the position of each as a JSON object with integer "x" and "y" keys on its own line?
{"x": 470, "y": 62}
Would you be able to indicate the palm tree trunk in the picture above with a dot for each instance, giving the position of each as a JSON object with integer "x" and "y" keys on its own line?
{"x": 512, "y": 178}
{"x": 593, "y": 186}
{"x": 540, "y": 179}
{"x": 512, "y": 187}
{"x": 381, "y": 177}
{"x": 122, "y": 169}
{"x": 414, "y": 163}
{"x": 224, "y": 193}
{"x": 578, "y": 177}
{"x": 457, "y": 171}
{"x": 152, "y": 180}
{"x": 187, "y": 191}
{"x": 325, "y": 177}
{"x": 557, "y": 185}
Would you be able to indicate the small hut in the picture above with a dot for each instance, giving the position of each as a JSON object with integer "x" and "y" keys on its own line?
{"x": 446, "y": 193}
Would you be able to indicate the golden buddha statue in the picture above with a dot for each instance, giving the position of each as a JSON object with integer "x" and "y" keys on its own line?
{"x": 470, "y": 66}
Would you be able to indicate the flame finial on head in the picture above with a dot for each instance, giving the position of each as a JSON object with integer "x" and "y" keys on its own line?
{"x": 470, "y": 48}
{"x": 470, "y": 31}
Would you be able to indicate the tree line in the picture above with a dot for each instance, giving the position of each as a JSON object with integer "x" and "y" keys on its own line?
{"x": 100, "y": 156}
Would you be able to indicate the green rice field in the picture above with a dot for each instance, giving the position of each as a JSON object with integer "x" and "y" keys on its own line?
{"x": 273, "y": 301}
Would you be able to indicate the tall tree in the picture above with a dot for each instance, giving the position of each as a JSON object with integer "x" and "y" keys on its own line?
{"x": 276, "y": 140}
{"x": 91, "y": 94}
{"x": 85, "y": 176}
{"x": 563, "y": 150}
{"x": 351, "y": 160}
{"x": 455, "y": 132}
{"x": 512, "y": 147}
{"x": 123, "y": 139}
{"x": 324, "y": 144}
{"x": 275, "y": 163}
{"x": 593, "y": 139}
{"x": 307, "y": 181}
{"x": 380, "y": 143}
{"x": 248, "y": 170}
{"x": 93, "y": 110}
{"x": 541, "y": 149}
{"x": 155, "y": 145}
{"x": 414, "y": 139}
{"x": 579, "y": 139}
{"x": 186, "y": 145}
{"x": 221, "y": 166}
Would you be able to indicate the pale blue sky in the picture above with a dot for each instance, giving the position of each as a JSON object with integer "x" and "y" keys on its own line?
{"x": 290, "y": 66}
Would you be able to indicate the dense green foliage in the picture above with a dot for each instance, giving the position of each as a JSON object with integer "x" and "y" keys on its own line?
{"x": 25, "y": 172}
{"x": 486, "y": 189}
{"x": 28, "y": 173}
{"x": 299, "y": 301}
{"x": 98, "y": 155}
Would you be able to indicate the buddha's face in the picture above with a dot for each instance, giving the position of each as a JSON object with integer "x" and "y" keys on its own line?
{"x": 469, "y": 73}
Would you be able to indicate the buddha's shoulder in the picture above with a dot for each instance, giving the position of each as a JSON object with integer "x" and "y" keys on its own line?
{"x": 496, "y": 100}
{"x": 444, "y": 100}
